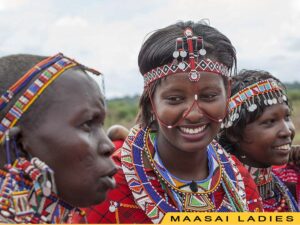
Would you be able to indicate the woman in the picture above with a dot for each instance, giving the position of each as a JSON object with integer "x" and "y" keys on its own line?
{"x": 259, "y": 132}
{"x": 169, "y": 161}
{"x": 54, "y": 151}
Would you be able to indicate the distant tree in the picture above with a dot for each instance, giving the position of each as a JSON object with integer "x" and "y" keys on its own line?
{"x": 122, "y": 111}
{"x": 294, "y": 85}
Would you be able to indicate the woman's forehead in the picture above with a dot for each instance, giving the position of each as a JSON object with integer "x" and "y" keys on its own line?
{"x": 75, "y": 87}
{"x": 76, "y": 80}
{"x": 181, "y": 80}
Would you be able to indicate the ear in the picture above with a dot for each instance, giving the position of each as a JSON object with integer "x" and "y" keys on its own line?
{"x": 151, "y": 109}
{"x": 232, "y": 138}
{"x": 19, "y": 142}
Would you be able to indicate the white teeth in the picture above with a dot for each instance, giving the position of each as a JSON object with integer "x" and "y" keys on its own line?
{"x": 192, "y": 130}
{"x": 283, "y": 147}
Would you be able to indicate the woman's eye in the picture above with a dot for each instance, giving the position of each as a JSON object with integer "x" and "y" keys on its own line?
{"x": 269, "y": 122}
{"x": 209, "y": 97}
{"x": 288, "y": 117}
{"x": 86, "y": 126}
{"x": 174, "y": 99}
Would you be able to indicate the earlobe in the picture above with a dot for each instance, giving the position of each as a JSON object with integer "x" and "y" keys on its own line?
{"x": 233, "y": 139}
{"x": 18, "y": 143}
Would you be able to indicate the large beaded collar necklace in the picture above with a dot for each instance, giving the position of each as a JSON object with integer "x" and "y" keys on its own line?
{"x": 184, "y": 191}
{"x": 187, "y": 198}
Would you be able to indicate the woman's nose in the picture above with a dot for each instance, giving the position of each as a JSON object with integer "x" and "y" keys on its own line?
{"x": 194, "y": 113}
{"x": 287, "y": 129}
{"x": 106, "y": 147}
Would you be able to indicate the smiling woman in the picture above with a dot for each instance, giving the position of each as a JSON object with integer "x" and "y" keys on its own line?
{"x": 259, "y": 131}
{"x": 55, "y": 155}
{"x": 169, "y": 161}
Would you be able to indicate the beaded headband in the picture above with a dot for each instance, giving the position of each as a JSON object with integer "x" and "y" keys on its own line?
{"x": 271, "y": 91}
{"x": 192, "y": 61}
{"x": 49, "y": 69}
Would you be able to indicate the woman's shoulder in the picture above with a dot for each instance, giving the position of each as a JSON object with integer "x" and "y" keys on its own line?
{"x": 289, "y": 173}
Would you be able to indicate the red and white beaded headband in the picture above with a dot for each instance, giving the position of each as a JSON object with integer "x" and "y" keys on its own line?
{"x": 194, "y": 64}
{"x": 271, "y": 91}
{"x": 39, "y": 77}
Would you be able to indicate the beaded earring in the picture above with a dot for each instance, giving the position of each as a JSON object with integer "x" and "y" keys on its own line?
{"x": 7, "y": 147}
{"x": 153, "y": 118}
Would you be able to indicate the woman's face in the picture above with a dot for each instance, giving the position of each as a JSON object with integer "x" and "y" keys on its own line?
{"x": 71, "y": 140}
{"x": 190, "y": 106}
{"x": 267, "y": 141}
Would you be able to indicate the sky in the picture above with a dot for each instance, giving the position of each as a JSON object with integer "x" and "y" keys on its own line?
{"x": 107, "y": 34}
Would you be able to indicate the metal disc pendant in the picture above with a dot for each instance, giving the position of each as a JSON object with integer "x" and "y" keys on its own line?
{"x": 183, "y": 54}
{"x": 194, "y": 76}
{"x": 202, "y": 51}
{"x": 270, "y": 102}
{"x": 194, "y": 186}
{"x": 284, "y": 97}
{"x": 228, "y": 124}
{"x": 236, "y": 115}
{"x": 175, "y": 54}
{"x": 252, "y": 108}
{"x": 112, "y": 208}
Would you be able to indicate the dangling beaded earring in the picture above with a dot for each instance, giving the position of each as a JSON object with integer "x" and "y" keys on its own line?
{"x": 153, "y": 125}
{"x": 7, "y": 148}
{"x": 152, "y": 118}
{"x": 243, "y": 156}
{"x": 241, "y": 153}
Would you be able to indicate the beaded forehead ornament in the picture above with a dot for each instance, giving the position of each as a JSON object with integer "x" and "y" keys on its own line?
{"x": 190, "y": 49}
{"x": 270, "y": 91}
{"x": 45, "y": 73}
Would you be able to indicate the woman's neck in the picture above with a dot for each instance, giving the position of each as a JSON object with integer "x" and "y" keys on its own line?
{"x": 184, "y": 165}
{"x": 249, "y": 161}
{"x": 260, "y": 175}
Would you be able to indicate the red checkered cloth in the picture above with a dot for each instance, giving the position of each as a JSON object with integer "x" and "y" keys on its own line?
{"x": 290, "y": 175}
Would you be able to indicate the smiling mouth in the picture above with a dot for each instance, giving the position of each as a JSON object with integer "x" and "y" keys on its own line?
{"x": 195, "y": 130}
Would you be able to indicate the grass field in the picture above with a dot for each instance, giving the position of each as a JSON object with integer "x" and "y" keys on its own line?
{"x": 296, "y": 120}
